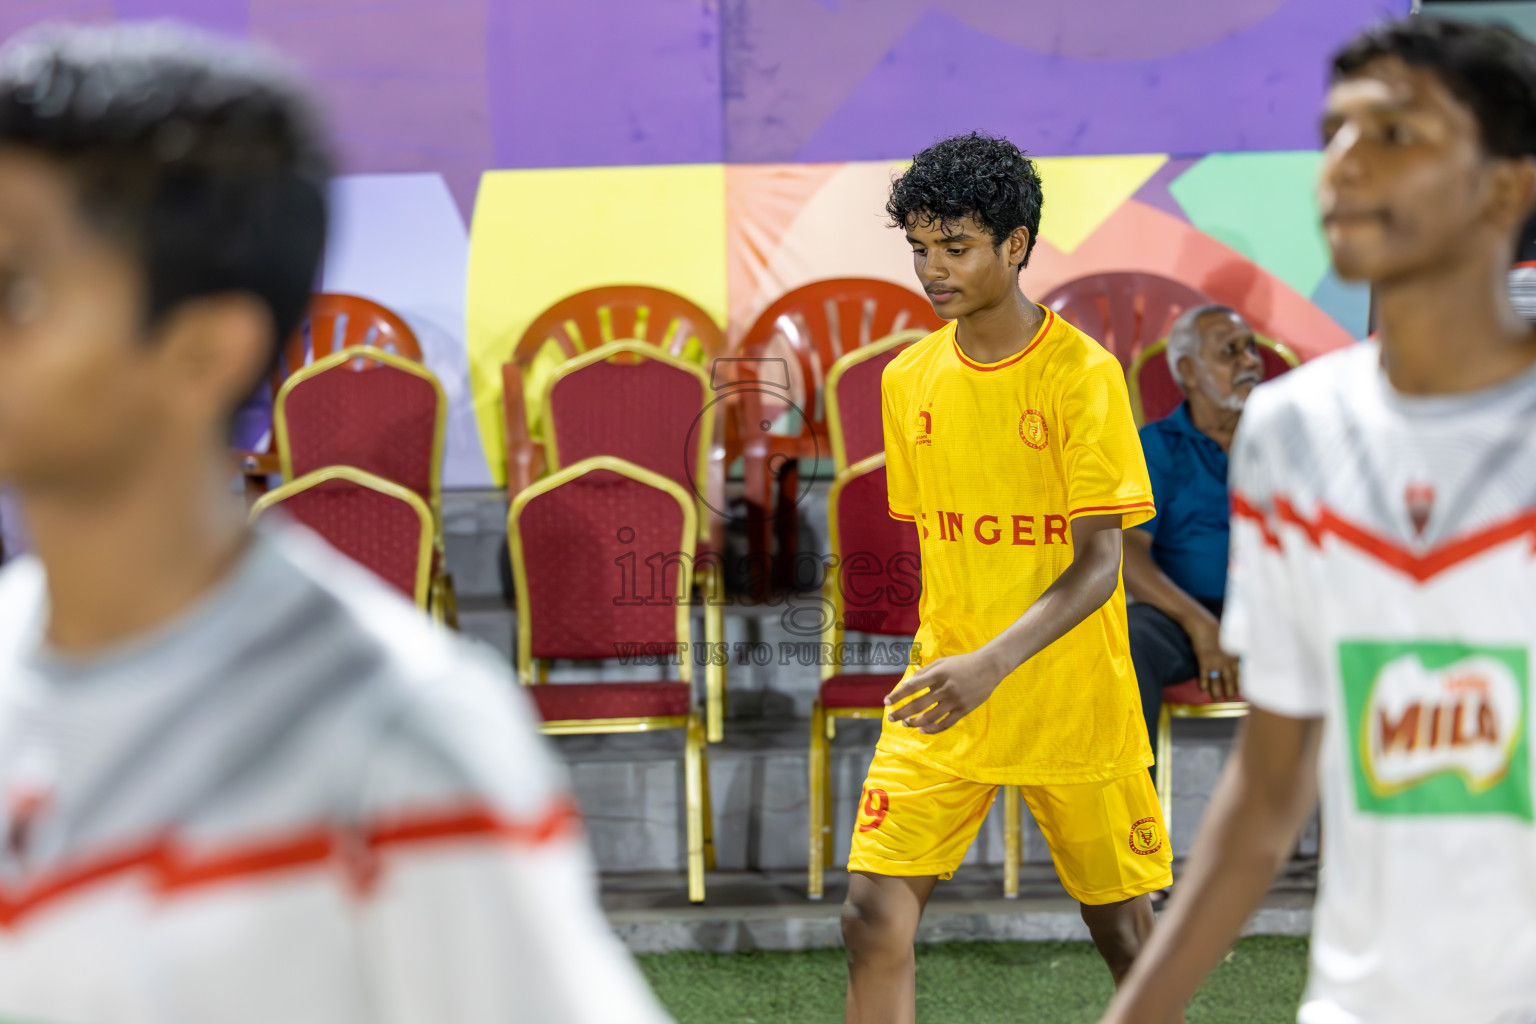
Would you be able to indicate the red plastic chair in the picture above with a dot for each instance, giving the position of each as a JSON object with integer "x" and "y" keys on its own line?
{"x": 567, "y": 533}
{"x": 375, "y": 522}
{"x": 1154, "y": 394}
{"x": 579, "y": 323}
{"x": 335, "y": 321}
{"x": 375, "y": 410}
{"x": 780, "y": 367}
{"x": 639, "y": 403}
{"x": 853, "y": 398}
{"x": 874, "y": 590}
{"x": 1124, "y": 312}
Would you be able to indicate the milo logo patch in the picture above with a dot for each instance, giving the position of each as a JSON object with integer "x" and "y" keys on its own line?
{"x": 1438, "y": 727}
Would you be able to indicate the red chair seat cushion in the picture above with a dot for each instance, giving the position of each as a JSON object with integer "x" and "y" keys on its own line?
{"x": 588, "y": 701}
{"x": 858, "y": 691}
{"x": 1189, "y": 692}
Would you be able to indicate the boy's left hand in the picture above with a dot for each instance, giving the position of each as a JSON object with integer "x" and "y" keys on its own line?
{"x": 956, "y": 686}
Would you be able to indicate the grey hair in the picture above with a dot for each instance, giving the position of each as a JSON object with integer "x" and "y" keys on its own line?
{"x": 1184, "y": 336}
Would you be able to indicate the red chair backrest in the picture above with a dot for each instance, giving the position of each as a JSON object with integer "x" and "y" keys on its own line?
{"x": 857, "y": 403}
{"x": 597, "y": 559}
{"x": 377, "y": 530}
{"x": 879, "y": 560}
{"x": 647, "y": 412}
{"x": 1124, "y": 312}
{"x": 810, "y": 328}
{"x": 371, "y": 415}
{"x": 337, "y": 321}
{"x": 1160, "y": 395}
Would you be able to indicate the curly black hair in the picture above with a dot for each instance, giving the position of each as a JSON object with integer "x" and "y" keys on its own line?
{"x": 203, "y": 159}
{"x": 977, "y": 175}
{"x": 1489, "y": 68}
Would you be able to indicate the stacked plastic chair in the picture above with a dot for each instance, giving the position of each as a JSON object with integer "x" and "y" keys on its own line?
{"x": 782, "y": 367}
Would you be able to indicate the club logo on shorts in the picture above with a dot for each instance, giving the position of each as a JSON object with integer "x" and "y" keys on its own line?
{"x": 1437, "y": 727}
{"x": 1032, "y": 429}
{"x": 1146, "y": 837}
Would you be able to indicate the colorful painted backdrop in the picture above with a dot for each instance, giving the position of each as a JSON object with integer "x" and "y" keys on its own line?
{"x": 499, "y": 154}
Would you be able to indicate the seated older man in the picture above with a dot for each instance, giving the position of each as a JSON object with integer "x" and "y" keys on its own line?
{"x": 1176, "y": 563}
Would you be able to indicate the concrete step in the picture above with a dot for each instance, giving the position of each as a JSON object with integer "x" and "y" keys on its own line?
{"x": 631, "y": 790}
{"x": 768, "y": 910}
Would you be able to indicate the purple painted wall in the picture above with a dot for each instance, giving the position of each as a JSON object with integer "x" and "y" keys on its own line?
{"x": 1258, "y": 87}
{"x": 462, "y": 86}
{"x": 579, "y": 83}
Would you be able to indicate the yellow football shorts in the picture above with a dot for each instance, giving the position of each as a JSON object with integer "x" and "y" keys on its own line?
{"x": 1107, "y": 838}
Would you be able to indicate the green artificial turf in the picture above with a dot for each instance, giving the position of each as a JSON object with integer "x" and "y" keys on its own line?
{"x": 968, "y": 983}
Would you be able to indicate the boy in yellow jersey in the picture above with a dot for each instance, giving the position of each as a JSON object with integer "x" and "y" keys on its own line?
{"x": 1009, "y": 442}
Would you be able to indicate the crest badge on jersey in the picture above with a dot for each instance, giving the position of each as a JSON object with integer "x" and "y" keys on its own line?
{"x": 1438, "y": 727}
{"x": 924, "y": 427}
{"x": 1420, "y": 499}
{"x": 1032, "y": 429}
{"x": 1146, "y": 837}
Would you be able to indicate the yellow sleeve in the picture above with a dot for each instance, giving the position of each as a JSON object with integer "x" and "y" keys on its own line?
{"x": 1106, "y": 471}
{"x": 900, "y": 479}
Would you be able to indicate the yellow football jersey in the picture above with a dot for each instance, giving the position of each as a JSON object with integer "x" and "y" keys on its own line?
{"x": 993, "y": 461}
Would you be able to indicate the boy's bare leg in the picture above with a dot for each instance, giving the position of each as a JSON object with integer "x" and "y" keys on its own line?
{"x": 880, "y": 918}
{"x": 1120, "y": 931}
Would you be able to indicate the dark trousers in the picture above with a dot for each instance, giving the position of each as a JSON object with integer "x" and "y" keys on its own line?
{"x": 1163, "y": 656}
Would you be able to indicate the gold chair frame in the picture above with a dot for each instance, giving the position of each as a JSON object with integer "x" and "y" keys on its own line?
{"x": 443, "y": 602}
{"x": 372, "y": 482}
{"x": 1164, "y": 769}
{"x": 1160, "y": 346}
{"x": 835, "y": 376}
{"x": 700, "y": 826}
{"x": 711, "y": 578}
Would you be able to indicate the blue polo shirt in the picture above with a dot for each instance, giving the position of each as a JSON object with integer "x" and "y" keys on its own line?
{"x": 1189, "y": 485}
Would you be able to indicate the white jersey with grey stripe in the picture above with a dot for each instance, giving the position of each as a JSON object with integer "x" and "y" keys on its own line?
{"x": 1382, "y": 580}
{"x": 300, "y": 802}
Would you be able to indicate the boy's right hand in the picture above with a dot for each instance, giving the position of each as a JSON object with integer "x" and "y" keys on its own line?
{"x": 956, "y": 686}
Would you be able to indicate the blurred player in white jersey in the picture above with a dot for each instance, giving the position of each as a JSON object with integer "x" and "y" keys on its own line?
{"x": 239, "y": 780}
{"x": 1383, "y": 584}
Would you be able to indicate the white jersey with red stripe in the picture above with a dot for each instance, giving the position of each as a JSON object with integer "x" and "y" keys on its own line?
{"x": 1382, "y": 580}
{"x": 299, "y": 803}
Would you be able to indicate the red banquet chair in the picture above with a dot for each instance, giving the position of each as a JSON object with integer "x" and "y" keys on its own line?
{"x": 874, "y": 590}
{"x": 780, "y": 368}
{"x": 566, "y": 534}
{"x": 1155, "y": 394}
{"x": 1185, "y": 700}
{"x": 579, "y": 323}
{"x": 1123, "y": 311}
{"x": 375, "y": 522}
{"x": 642, "y": 404}
{"x": 853, "y": 398}
{"x": 335, "y": 321}
{"x": 381, "y": 412}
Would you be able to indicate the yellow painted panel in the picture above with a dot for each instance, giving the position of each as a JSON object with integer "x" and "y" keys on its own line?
{"x": 1082, "y": 191}
{"x": 541, "y": 235}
